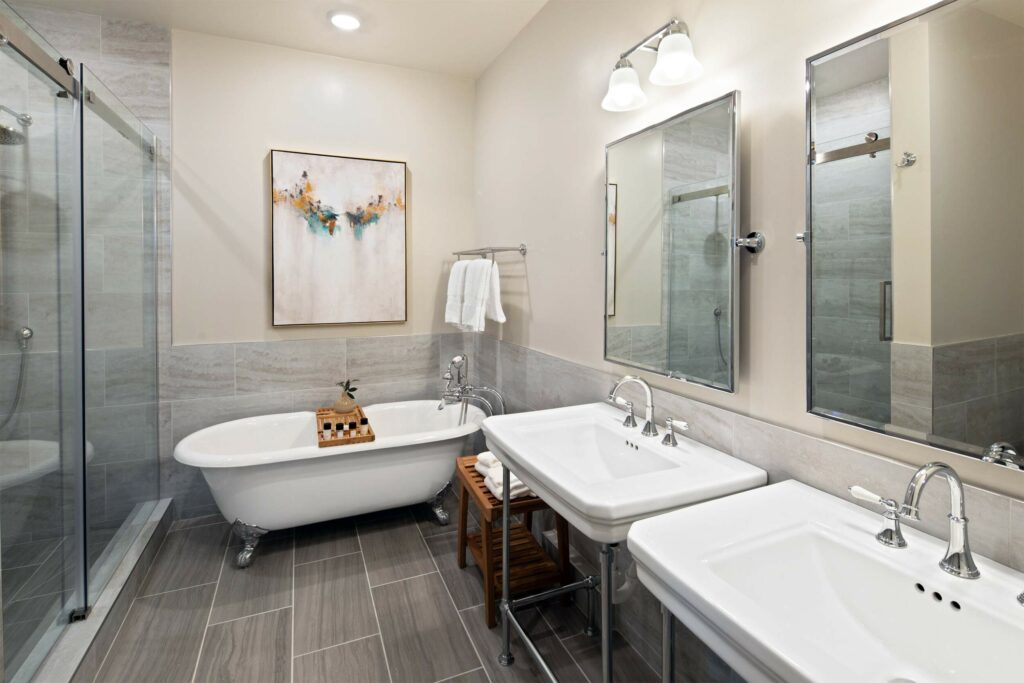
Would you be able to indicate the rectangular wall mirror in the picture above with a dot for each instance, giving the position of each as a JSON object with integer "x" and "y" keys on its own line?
{"x": 916, "y": 226}
{"x": 671, "y": 272}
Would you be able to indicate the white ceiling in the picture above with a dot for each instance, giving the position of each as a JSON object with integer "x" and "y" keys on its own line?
{"x": 458, "y": 37}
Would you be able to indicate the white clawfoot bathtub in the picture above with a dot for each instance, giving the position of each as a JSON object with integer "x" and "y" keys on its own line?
{"x": 267, "y": 472}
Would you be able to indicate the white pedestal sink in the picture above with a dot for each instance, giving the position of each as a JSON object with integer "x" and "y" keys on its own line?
{"x": 603, "y": 477}
{"x": 787, "y": 583}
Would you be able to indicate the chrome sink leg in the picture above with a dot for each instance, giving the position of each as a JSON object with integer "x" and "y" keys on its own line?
{"x": 436, "y": 503}
{"x": 668, "y": 646}
{"x": 505, "y": 658}
{"x": 607, "y": 624}
{"x": 250, "y": 536}
{"x": 591, "y": 628}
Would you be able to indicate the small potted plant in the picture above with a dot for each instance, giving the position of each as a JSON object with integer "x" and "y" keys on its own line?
{"x": 346, "y": 403}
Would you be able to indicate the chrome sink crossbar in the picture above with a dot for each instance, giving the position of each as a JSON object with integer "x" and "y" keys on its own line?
{"x": 510, "y": 623}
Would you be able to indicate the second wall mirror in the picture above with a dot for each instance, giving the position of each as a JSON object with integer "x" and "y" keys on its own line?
{"x": 672, "y": 204}
{"x": 916, "y": 218}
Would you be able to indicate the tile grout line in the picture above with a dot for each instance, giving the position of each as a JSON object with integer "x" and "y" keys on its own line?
{"x": 408, "y": 578}
{"x": 373, "y": 602}
{"x": 465, "y": 630}
{"x": 113, "y": 641}
{"x": 347, "y": 642}
{"x": 173, "y": 590}
{"x": 452, "y": 678}
{"x": 323, "y": 559}
{"x": 22, "y": 587}
{"x": 248, "y": 616}
{"x": 561, "y": 641}
{"x": 213, "y": 602}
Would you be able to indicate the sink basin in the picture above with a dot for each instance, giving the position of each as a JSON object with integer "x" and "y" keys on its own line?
{"x": 787, "y": 583}
{"x": 600, "y": 476}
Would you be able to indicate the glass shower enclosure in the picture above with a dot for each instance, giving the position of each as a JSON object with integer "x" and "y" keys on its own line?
{"x": 78, "y": 344}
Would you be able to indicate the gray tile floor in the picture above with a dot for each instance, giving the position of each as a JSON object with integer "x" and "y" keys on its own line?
{"x": 374, "y": 598}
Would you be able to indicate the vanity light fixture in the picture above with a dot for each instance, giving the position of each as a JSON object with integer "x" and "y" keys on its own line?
{"x": 676, "y": 65}
{"x": 345, "y": 22}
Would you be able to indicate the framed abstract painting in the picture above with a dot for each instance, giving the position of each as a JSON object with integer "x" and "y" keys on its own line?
{"x": 339, "y": 239}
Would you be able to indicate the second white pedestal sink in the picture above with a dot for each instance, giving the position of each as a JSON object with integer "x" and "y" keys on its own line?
{"x": 601, "y": 477}
{"x": 787, "y": 583}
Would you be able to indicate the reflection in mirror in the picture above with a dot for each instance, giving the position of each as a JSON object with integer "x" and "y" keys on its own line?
{"x": 916, "y": 181}
{"x": 670, "y": 225}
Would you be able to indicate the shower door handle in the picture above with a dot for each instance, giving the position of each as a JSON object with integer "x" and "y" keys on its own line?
{"x": 885, "y": 310}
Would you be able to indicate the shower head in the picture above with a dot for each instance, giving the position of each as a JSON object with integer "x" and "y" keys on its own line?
{"x": 9, "y": 136}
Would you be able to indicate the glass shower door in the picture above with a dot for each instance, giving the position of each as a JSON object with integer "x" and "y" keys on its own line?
{"x": 119, "y": 266}
{"x": 40, "y": 456}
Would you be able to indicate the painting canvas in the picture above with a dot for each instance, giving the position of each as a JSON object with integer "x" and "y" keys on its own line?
{"x": 339, "y": 239}
{"x": 611, "y": 240}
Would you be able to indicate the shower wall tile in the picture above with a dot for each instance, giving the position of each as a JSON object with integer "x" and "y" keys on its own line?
{"x": 135, "y": 42}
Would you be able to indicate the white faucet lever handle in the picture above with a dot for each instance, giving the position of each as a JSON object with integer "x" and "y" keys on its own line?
{"x": 861, "y": 493}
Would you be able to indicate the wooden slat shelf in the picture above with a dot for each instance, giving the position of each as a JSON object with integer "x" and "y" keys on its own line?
{"x": 532, "y": 568}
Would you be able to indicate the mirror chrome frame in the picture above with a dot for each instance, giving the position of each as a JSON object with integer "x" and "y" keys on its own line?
{"x": 733, "y": 100}
{"x": 864, "y": 423}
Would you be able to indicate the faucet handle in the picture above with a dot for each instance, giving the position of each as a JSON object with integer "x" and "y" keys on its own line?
{"x": 671, "y": 426}
{"x": 630, "y": 420}
{"x": 892, "y": 534}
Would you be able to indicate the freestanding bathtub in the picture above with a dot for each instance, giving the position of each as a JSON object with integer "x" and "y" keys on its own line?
{"x": 267, "y": 472}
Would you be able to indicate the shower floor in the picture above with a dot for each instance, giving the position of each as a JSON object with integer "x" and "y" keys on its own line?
{"x": 373, "y": 598}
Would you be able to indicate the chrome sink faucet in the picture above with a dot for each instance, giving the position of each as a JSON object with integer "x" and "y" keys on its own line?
{"x": 650, "y": 429}
{"x": 958, "y": 560}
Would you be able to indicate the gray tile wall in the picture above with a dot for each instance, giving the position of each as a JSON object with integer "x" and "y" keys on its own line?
{"x": 532, "y": 380}
{"x": 978, "y": 390}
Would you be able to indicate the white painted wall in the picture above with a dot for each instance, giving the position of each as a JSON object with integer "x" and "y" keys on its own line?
{"x": 234, "y": 101}
{"x": 540, "y": 171}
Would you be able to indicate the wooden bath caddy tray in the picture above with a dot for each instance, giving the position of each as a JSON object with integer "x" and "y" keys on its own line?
{"x": 328, "y": 415}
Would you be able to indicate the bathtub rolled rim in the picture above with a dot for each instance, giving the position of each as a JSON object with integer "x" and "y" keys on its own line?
{"x": 187, "y": 454}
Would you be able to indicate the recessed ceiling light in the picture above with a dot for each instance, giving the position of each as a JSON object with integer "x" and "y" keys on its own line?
{"x": 346, "y": 22}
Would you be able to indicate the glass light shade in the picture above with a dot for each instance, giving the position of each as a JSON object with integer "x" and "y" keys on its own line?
{"x": 676, "y": 63}
{"x": 346, "y": 22}
{"x": 624, "y": 93}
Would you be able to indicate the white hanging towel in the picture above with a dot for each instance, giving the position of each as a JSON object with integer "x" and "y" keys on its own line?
{"x": 494, "y": 310}
{"x": 456, "y": 291}
{"x": 474, "y": 301}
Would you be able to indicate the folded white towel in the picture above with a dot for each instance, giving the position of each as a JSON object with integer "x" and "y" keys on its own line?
{"x": 474, "y": 300}
{"x": 494, "y": 310}
{"x": 517, "y": 489}
{"x": 456, "y": 290}
{"x": 488, "y": 459}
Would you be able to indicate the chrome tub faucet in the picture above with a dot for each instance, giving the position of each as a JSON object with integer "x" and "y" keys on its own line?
{"x": 650, "y": 429}
{"x": 463, "y": 392}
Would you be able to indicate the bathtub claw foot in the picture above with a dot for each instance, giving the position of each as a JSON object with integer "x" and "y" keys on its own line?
{"x": 437, "y": 505}
{"x": 250, "y": 536}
